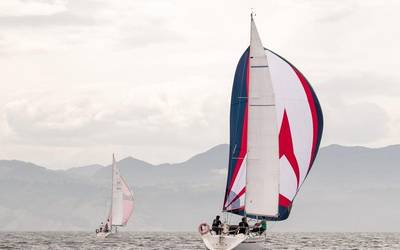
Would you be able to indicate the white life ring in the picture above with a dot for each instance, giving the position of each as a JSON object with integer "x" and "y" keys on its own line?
{"x": 225, "y": 228}
{"x": 204, "y": 228}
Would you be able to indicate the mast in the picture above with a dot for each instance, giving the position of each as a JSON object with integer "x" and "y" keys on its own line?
{"x": 262, "y": 168}
{"x": 112, "y": 189}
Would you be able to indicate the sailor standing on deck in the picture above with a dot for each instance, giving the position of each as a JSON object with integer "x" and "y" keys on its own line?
{"x": 106, "y": 227}
{"x": 216, "y": 225}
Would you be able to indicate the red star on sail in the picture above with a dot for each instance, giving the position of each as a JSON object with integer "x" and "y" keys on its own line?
{"x": 286, "y": 146}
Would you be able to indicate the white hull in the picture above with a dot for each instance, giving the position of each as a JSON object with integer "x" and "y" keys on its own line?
{"x": 222, "y": 242}
{"x": 255, "y": 243}
{"x": 103, "y": 234}
{"x": 230, "y": 242}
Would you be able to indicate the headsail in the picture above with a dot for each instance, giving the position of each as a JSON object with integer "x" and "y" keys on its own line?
{"x": 122, "y": 198}
{"x": 276, "y": 127}
{"x": 262, "y": 175}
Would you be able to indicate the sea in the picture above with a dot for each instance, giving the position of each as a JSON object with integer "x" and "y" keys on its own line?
{"x": 152, "y": 240}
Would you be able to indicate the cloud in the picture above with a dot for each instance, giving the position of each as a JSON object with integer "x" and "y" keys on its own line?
{"x": 90, "y": 118}
{"x": 63, "y": 18}
{"x": 153, "y": 78}
{"x": 360, "y": 123}
{"x": 85, "y": 25}
{"x": 360, "y": 85}
{"x": 19, "y": 8}
{"x": 147, "y": 34}
{"x": 358, "y": 108}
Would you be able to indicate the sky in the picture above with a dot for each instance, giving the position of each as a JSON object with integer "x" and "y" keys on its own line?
{"x": 81, "y": 79}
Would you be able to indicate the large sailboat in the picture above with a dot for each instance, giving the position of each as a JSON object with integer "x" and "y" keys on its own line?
{"x": 276, "y": 126}
{"x": 121, "y": 204}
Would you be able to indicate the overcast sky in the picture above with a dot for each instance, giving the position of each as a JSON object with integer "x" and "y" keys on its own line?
{"x": 152, "y": 78}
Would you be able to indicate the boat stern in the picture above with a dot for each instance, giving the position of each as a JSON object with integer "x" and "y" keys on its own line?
{"x": 222, "y": 242}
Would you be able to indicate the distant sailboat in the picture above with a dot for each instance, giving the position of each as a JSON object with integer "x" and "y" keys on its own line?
{"x": 275, "y": 130}
{"x": 121, "y": 203}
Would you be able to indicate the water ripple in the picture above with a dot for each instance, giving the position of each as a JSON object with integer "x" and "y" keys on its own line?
{"x": 157, "y": 241}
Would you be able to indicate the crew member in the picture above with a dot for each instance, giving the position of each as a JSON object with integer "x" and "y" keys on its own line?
{"x": 216, "y": 225}
{"x": 243, "y": 226}
{"x": 106, "y": 227}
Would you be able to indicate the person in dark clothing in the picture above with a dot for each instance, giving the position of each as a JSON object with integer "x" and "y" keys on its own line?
{"x": 106, "y": 229}
{"x": 263, "y": 226}
{"x": 243, "y": 226}
{"x": 260, "y": 227}
{"x": 216, "y": 225}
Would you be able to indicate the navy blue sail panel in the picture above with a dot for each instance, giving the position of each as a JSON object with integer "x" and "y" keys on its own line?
{"x": 234, "y": 193}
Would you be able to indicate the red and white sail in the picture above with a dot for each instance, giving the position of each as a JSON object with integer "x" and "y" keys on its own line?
{"x": 276, "y": 128}
{"x": 122, "y": 198}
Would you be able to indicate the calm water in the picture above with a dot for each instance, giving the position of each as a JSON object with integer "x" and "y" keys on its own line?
{"x": 141, "y": 241}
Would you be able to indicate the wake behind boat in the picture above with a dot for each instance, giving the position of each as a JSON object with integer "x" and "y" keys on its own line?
{"x": 121, "y": 205}
{"x": 275, "y": 130}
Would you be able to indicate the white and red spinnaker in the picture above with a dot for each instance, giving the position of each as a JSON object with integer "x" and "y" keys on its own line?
{"x": 276, "y": 127}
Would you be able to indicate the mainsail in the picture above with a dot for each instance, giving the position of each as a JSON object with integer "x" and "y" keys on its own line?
{"x": 276, "y": 126}
{"x": 122, "y": 198}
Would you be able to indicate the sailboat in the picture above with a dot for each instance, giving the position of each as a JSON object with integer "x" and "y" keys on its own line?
{"x": 276, "y": 127}
{"x": 121, "y": 203}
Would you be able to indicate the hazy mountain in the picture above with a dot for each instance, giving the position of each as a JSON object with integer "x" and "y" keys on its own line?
{"x": 200, "y": 168}
{"x": 85, "y": 171}
{"x": 349, "y": 189}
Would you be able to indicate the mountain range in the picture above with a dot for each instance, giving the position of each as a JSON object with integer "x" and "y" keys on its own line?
{"x": 348, "y": 189}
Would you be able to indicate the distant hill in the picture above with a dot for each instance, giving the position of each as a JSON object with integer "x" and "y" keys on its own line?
{"x": 199, "y": 169}
{"x": 85, "y": 171}
{"x": 349, "y": 189}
